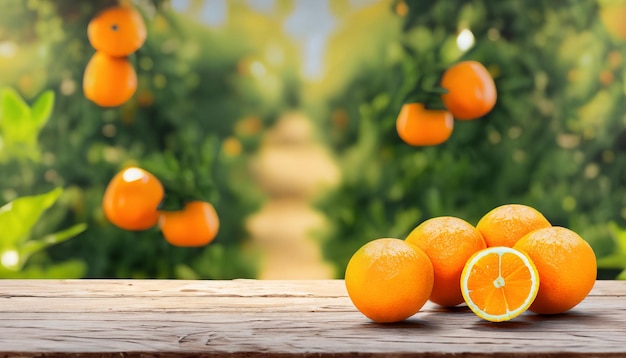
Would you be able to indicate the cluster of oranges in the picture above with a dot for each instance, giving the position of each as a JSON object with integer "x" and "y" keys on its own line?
{"x": 469, "y": 93}
{"x": 110, "y": 79}
{"x": 131, "y": 202}
{"x": 513, "y": 260}
{"x": 132, "y": 198}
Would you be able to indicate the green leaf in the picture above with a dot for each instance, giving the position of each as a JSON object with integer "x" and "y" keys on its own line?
{"x": 184, "y": 272}
{"x": 20, "y": 125}
{"x": 619, "y": 235}
{"x": 172, "y": 202}
{"x": 32, "y": 246}
{"x": 18, "y": 217}
{"x": 42, "y": 108}
{"x": 616, "y": 260}
{"x": 13, "y": 109}
{"x": 427, "y": 91}
{"x": 66, "y": 269}
{"x": 208, "y": 151}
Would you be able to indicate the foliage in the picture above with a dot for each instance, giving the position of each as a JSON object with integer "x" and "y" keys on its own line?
{"x": 20, "y": 124}
{"x": 617, "y": 259}
{"x": 553, "y": 140}
{"x": 17, "y": 219}
{"x": 20, "y": 239}
{"x": 205, "y": 95}
{"x": 195, "y": 94}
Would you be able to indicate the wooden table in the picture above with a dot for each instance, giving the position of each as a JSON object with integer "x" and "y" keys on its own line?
{"x": 246, "y": 318}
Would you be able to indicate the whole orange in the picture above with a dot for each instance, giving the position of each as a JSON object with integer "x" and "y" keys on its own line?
{"x": 449, "y": 242}
{"x": 196, "y": 225}
{"x": 566, "y": 264}
{"x": 389, "y": 280}
{"x": 131, "y": 199}
{"x": 504, "y": 225}
{"x": 109, "y": 81}
{"x": 117, "y": 31}
{"x": 471, "y": 90}
{"x": 419, "y": 126}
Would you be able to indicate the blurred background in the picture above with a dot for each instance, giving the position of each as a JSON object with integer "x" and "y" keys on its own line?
{"x": 293, "y": 104}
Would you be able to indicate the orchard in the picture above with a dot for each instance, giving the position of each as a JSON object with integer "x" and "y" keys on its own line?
{"x": 128, "y": 129}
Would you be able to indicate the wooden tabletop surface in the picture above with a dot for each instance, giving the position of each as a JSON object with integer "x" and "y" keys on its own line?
{"x": 246, "y": 318}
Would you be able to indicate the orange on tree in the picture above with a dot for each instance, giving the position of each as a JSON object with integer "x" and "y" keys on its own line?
{"x": 448, "y": 241}
{"x": 195, "y": 225}
{"x": 612, "y": 14}
{"x": 389, "y": 280}
{"x": 131, "y": 199}
{"x": 117, "y": 31}
{"x": 499, "y": 283}
{"x": 504, "y": 225}
{"x": 419, "y": 126}
{"x": 109, "y": 81}
{"x": 566, "y": 264}
{"x": 471, "y": 91}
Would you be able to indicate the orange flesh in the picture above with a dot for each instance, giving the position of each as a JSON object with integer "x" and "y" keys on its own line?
{"x": 499, "y": 283}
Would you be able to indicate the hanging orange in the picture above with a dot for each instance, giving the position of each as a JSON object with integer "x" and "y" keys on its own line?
{"x": 612, "y": 14}
{"x": 196, "y": 225}
{"x": 131, "y": 199}
{"x": 419, "y": 126}
{"x": 117, "y": 31}
{"x": 471, "y": 90}
{"x": 109, "y": 81}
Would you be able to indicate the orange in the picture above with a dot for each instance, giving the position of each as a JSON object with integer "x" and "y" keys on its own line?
{"x": 131, "y": 199}
{"x": 117, "y": 31}
{"x": 419, "y": 126}
{"x": 566, "y": 264}
{"x": 196, "y": 225}
{"x": 499, "y": 283}
{"x": 389, "y": 280}
{"x": 506, "y": 224}
{"x": 612, "y": 15}
{"x": 471, "y": 90}
{"x": 448, "y": 242}
{"x": 109, "y": 81}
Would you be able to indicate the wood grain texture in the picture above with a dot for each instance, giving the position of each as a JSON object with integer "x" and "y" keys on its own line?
{"x": 248, "y": 318}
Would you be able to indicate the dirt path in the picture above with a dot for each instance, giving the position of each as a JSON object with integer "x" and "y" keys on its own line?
{"x": 291, "y": 168}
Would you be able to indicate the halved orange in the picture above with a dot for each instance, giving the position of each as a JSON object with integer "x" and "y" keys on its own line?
{"x": 499, "y": 283}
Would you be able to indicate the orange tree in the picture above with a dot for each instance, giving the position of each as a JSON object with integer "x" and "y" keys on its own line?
{"x": 194, "y": 116}
{"x": 552, "y": 141}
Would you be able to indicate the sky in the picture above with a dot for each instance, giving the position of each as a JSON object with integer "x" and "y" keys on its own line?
{"x": 310, "y": 24}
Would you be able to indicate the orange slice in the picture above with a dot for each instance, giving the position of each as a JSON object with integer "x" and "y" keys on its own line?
{"x": 499, "y": 283}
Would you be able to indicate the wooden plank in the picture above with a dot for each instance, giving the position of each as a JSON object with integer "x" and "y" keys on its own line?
{"x": 245, "y": 318}
{"x": 160, "y": 288}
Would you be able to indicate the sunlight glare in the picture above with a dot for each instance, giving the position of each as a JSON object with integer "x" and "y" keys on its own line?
{"x": 465, "y": 40}
{"x": 132, "y": 174}
{"x": 10, "y": 259}
{"x": 257, "y": 69}
{"x": 8, "y": 49}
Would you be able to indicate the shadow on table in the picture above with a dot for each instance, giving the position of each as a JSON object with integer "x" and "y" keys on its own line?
{"x": 529, "y": 320}
{"x": 410, "y": 323}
